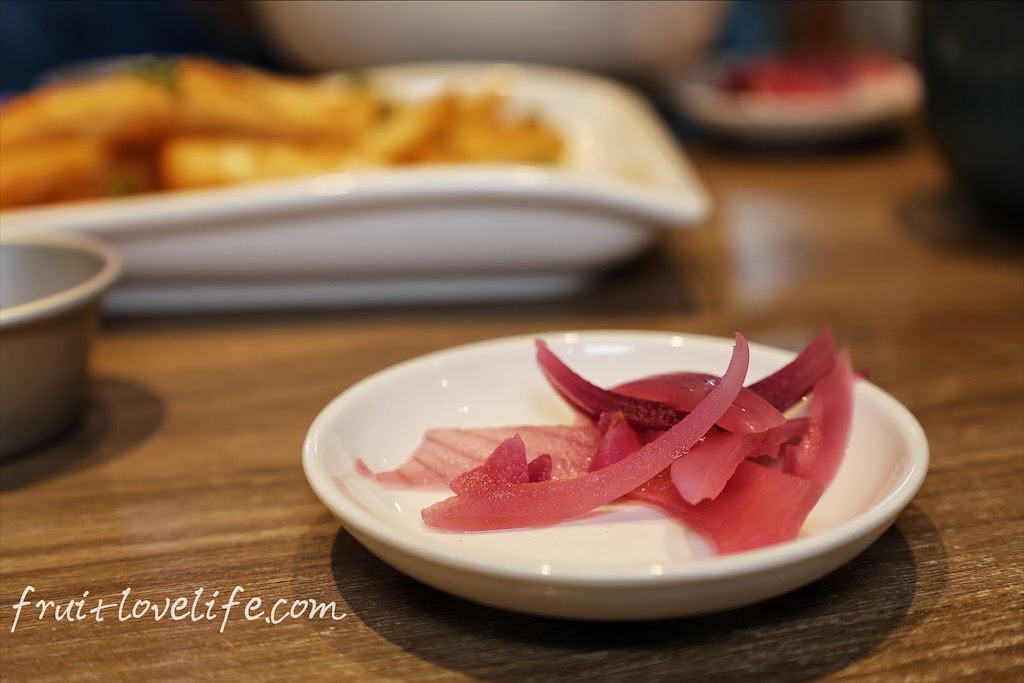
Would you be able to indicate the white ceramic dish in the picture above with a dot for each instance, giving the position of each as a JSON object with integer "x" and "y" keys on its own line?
{"x": 627, "y": 562}
{"x": 812, "y": 118}
{"x": 426, "y": 234}
{"x": 641, "y": 38}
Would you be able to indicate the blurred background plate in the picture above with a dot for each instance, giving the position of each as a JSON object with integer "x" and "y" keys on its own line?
{"x": 793, "y": 112}
{"x": 638, "y": 39}
{"x": 444, "y": 233}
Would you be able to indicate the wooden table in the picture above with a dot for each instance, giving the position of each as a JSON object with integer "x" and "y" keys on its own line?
{"x": 185, "y": 471}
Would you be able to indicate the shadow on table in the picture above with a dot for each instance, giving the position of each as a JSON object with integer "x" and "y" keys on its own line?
{"x": 809, "y": 633}
{"x": 950, "y": 219}
{"x": 118, "y": 415}
{"x": 867, "y": 144}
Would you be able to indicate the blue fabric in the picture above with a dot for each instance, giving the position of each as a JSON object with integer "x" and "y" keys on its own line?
{"x": 38, "y": 35}
{"x": 753, "y": 27}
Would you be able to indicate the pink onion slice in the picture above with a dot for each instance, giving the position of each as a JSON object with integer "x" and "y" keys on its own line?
{"x": 506, "y": 465}
{"x": 818, "y": 456}
{"x": 511, "y": 506}
{"x": 704, "y": 472}
{"x": 684, "y": 390}
{"x": 593, "y": 400}
{"x": 473, "y": 481}
{"x": 784, "y": 387}
{"x": 540, "y": 468}
{"x": 619, "y": 441}
{"x": 445, "y": 453}
{"x": 758, "y": 507}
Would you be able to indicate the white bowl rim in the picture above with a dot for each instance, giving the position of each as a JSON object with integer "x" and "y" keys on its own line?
{"x": 70, "y": 298}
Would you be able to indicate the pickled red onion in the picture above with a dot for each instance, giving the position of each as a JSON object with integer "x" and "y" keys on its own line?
{"x": 683, "y": 390}
{"x": 758, "y": 507}
{"x": 818, "y": 456}
{"x": 509, "y": 506}
{"x": 709, "y": 465}
{"x": 593, "y": 400}
{"x": 787, "y": 385}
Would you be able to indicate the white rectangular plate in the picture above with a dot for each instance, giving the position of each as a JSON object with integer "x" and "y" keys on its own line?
{"x": 430, "y": 234}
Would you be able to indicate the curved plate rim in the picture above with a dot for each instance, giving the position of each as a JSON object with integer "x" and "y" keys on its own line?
{"x": 873, "y": 521}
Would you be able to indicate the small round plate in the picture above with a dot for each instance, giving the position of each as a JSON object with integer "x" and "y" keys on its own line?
{"x": 863, "y": 106}
{"x": 625, "y": 561}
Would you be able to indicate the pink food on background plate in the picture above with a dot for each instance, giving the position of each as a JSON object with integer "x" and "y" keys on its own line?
{"x": 804, "y": 74}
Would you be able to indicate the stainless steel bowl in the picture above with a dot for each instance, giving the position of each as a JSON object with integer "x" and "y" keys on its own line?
{"x": 50, "y": 289}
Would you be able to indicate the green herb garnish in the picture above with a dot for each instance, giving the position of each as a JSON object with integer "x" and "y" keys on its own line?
{"x": 358, "y": 79}
{"x": 120, "y": 184}
{"x": 160, "y": 70}
{"x": 385, "y": 110}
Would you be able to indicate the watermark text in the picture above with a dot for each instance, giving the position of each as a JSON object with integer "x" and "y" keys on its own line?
{"x": 199, "y": 606}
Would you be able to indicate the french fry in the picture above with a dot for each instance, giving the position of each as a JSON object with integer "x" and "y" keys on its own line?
{"x": 191, "y": 123}
{"x": 189, "y": 162}
{"x": 117, "y": 110}
{"x": 218, "y": 100}
{"x": 52, "y": 171}
{"x": 403, "y": 132}
{"x": 69, "y": 169}
{"x": 478, "y": 130}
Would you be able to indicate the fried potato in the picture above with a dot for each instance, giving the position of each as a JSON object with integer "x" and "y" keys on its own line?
{"x": 191, "y": 123}
{"x": 119, "y": 110}
{"x": 207, "y": 161}
{"x": 214, "y": 99}
{"x": 190, "y": 162}
{"x": 403, "y": 132}
{"x": 190, "y": 97}
{"x": 480, "y": 130}
{"x": 52, "y": 171}
{"x": 70, "y": 169}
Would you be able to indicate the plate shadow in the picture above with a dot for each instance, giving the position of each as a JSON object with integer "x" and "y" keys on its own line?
{"x": 118, "y": 415}
{"x": 825, "y": 626}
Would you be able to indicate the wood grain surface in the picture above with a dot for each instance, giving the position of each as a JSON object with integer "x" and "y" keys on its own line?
{"x": 184, "y": 473}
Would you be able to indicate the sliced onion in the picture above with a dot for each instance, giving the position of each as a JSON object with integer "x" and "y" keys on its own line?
{"x": 758, "y": 507}
{"x": 818, "y": 456}
{"x": 684, "y": 390}
{"x": 703, "y": 473}
{"x": 593, "y": 400}
{"x": 540, "y": 468}
{"x": 511, "y": 506}
{"x": 789, "y": 384}
{"x": 619, "y": 441}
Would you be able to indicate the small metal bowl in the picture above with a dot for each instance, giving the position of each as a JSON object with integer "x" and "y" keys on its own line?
{"x": 50, "y": 289}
